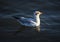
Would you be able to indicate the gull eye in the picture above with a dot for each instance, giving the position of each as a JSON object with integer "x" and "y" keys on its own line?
{"x": 35, "y": 14}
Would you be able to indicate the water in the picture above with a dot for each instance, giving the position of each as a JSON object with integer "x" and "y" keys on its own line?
{"x": 50, "y": 20}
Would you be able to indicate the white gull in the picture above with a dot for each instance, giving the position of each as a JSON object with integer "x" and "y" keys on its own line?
{"x": 30, "y": 22}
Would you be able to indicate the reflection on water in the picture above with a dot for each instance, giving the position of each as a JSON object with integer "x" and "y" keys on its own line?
{"x": 37, "y": 28}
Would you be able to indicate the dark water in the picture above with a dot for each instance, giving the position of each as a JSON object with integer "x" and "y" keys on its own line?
{"x": 50, "y": 20}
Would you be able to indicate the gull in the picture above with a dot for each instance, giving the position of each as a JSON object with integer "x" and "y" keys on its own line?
{"x": 30, "y": 22}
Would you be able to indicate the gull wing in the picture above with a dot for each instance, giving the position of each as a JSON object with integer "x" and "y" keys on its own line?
{"x": 25, "y": 21}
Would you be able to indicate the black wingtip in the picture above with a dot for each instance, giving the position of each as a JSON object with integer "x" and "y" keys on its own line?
{"x": 16, "y": 17}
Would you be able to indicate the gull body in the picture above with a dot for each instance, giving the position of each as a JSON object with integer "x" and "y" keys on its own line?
{"x": 30, "y": 22}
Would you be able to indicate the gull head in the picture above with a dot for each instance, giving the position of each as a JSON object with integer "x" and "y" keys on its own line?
{"x": 37, "y": 13}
